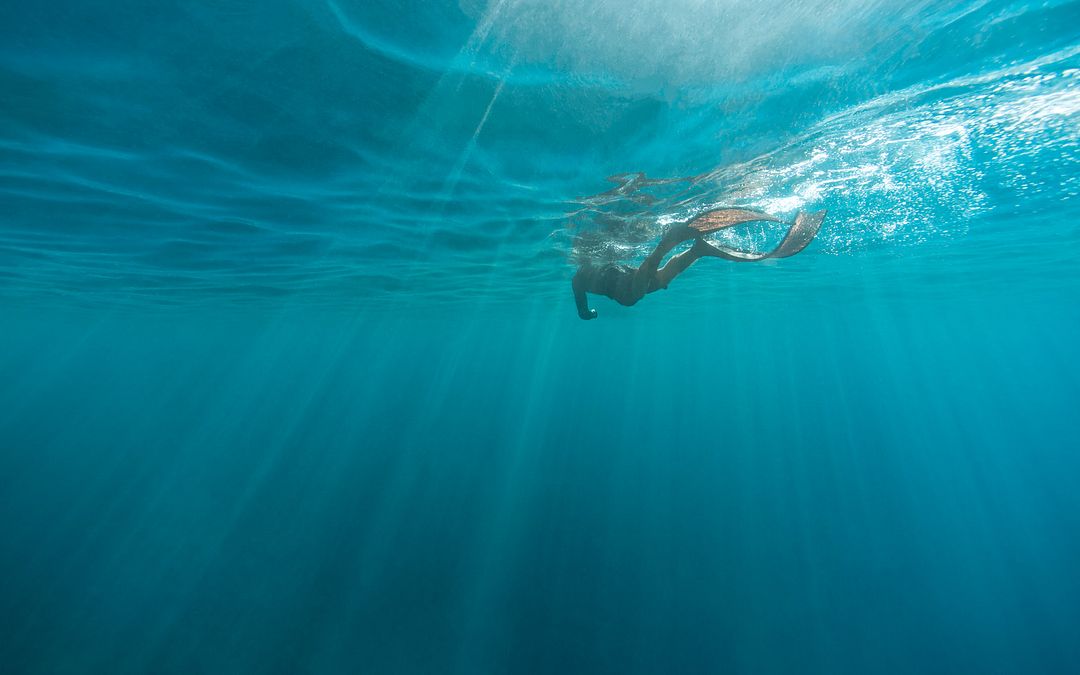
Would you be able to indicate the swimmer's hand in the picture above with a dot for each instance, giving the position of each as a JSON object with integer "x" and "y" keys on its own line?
{"x": 580, "y": 298}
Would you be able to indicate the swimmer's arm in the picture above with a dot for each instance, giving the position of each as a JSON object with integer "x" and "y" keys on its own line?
{"x": 581, "y": 299}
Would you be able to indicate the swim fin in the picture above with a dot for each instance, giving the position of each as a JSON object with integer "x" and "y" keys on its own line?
{"x": 718, "y": 219}
{"x": 802, "y": 232}
{"x": 804, "y": 229}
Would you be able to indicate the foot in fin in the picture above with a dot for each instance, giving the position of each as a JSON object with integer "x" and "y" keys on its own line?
{"x": 677, "y": 234}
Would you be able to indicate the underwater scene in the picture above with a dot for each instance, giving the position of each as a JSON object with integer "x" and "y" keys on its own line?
{"x": 540, "y": 336}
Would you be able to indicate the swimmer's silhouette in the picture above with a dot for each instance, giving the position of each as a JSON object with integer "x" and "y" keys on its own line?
{"x": 626, "y": 285}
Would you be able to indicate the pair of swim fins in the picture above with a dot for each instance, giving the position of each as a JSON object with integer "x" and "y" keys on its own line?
{"x": 799, "y": 235}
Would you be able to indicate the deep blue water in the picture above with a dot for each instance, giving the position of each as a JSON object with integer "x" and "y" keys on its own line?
{"x": 291, "y": 379}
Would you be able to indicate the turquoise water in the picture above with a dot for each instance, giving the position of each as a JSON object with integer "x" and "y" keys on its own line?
{"x": 291, "y": 378}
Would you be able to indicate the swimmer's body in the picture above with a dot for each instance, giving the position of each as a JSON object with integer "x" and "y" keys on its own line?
{"x": 626, "y": 284}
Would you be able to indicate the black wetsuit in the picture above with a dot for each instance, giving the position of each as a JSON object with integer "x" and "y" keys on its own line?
{"x": 614, "y": 280}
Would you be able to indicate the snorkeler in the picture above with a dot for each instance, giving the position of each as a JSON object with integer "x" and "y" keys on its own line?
{"x": 626, "y": 285}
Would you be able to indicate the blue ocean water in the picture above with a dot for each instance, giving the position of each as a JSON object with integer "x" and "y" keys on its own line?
{"x": 291, "y": 378}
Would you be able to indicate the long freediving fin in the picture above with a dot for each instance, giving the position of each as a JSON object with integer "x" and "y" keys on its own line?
{"x": 719, "y": 219}
{"x": 802, "y": 232}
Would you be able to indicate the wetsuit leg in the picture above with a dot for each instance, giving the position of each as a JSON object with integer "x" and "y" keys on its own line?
{"x": 646, "y": 274}
{"x": 678, "y": 264}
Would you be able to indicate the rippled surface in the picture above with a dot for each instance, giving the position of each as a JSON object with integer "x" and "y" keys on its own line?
{"x": 362, "y": 153}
